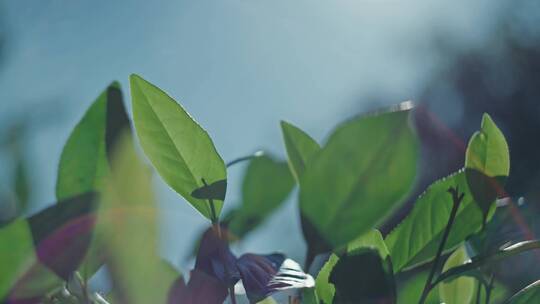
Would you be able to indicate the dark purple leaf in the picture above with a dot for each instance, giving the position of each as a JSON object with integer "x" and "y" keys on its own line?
{"x": 215, "y": 258}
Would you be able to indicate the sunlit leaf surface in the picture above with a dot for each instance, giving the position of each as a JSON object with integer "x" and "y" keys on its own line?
{"x": 416, "y": 238}
{"x": 364, "y": 171}
{"x": 180, "y": 150}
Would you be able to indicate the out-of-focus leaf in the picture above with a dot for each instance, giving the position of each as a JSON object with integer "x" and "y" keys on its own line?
{"x": 487, "y": 163}
{"x": 460, "y": 290}
{"x": 300, "y": 148}
{"x": 45, "y": 247}
{"x": 62, "y": 233}
{"x": 266, "y": 184}
{"x": 363, "y": 277}
{"x": 364, "y": 171}
{"x": 411, "y": 290}
{"x": 128, "y": 220}
{"x": 16, "y": 253}
{"x": 416, "y": 238}
{"x": 83, "y": 164}
{"x": 22, "y": 184}
{"x": 182, "y": 152}
{"x": 528, "y": 295}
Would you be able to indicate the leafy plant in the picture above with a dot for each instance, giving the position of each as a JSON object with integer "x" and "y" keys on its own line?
{"x": 106, "y": 215}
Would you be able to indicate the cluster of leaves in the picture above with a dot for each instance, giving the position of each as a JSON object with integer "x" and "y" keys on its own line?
{"x": 106, "y": 215}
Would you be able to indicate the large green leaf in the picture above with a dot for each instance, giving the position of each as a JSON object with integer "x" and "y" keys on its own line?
{"x": 83, "y": 164}
{"x": 128, "y": 220}
{"x": 177, "y": 146}
{"x": 528, "y": 295}
{"x": 266, "y": 184}
{"x": 300, "y": 148}
{"x": 462, "y": 289}
{"x": 364, "y": 171}
{"x": 416, "y": 239}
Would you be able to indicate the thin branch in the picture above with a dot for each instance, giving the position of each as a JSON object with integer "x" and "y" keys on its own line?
{"x": 479, "y": 261}
{"x": 457, "y": 199}
{"x": 489, "y": 288}
{"x": 244, "y": 158}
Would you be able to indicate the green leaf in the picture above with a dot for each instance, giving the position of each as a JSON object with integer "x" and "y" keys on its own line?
{"x": 416, "y": 238}
{"x": 364, "y": 171}
{"x": 180, "y": 150}
{"x": 487, "y": 151}
{"x": 411, "y": 290}
{"x": 128, "y": 220}
{"x": 528, "y": 295}
{"x": 460, "y": 290}
{"x": 83, "y": 163}
{"x": 300, "y": 148}
{"x": 325, "y": 289}
{"x": 487, "y": 163}
{"x": 267, "y": 183}
{"x": 36, "y": 252}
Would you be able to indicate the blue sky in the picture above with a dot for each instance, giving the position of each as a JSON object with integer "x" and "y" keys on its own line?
{"x": 237, "y": 66}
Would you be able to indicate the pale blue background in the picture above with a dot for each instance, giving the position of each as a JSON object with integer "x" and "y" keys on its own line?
{"x": 237, "y": 66}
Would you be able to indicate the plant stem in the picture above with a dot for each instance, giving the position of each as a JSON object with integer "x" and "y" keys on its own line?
{"x": 214, "y": 218}
{"x": 215, "y": 223}
{"x": 244, "y": 158}
{"x": 478, "y": 291}
{"x": 488, "y": 289}
{"x": 498, "y": 256}
{"x": 456, "y": 198}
